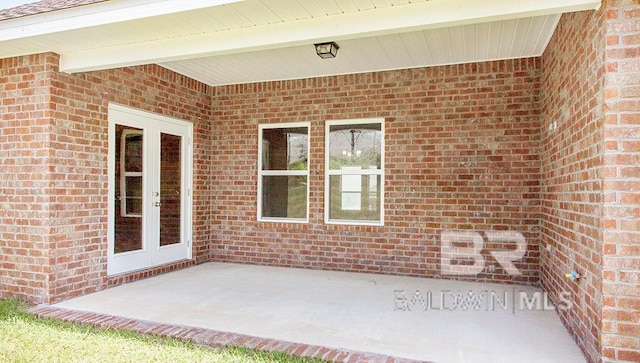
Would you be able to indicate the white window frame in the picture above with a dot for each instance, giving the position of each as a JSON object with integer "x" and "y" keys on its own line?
{"x": 329, "y": 172}
{"x": 262, "y": 173}
{"x": 124, "y": 195}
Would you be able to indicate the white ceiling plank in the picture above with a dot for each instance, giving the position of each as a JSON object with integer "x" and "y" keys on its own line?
{"x": 446, "y": 45}
{"x": 435, "y": 44}
{"x": 498, "y": 43}
{"x": 427, "y": 15}
{"x": 231, "y": 18}
{"x": 375, "y": 54}
{"x": 506, "y": 39}
{"x": 544, "y": 37}
{"x": 415, "y": 51}
{"x": 146, "y": 29}
{"x": 457, "y": 39}
{"x": 482, "y": 40}
{"x": 429, "y": 50}
{"x": 288, "y": 10}
{"x": 381, "y": 4}
{"x": 523, "y": 32}
{"x": 330, "y": 7}
{"x": 402, "y": 2}
{"x": 313, "y": 8}
{"x": 395, "y": 51}
{"x": 348, "y": 6}
{"x": 257, "y": 13}
{"x": 364, "y": 4}
{"x": 202, "y": 21}
{"x": 470, "y": 41}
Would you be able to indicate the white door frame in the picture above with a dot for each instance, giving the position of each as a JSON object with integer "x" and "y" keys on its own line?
{"x": 151, "y": 254}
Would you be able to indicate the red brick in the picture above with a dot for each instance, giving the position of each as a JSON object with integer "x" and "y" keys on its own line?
{"x": 458, "y": 133}
{"x": 629, "y": 303}
{"x": 624, "y": 211}
{"x": 71, "y": 182}
{"x": 468, "y": 147}
{"x": 629, "y": 355}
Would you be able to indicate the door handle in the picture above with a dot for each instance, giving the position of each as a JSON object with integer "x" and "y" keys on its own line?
{"x": 157, "y": 204}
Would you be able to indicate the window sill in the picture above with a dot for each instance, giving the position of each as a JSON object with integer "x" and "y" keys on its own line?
{"x": 283, "y": 220}
{"x": 354, "y": 223}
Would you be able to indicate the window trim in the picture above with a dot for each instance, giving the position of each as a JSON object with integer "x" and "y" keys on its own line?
{"x": 124, "y": 174}
{"x": 328, "y": 172}
{"x": 261, "y": 173}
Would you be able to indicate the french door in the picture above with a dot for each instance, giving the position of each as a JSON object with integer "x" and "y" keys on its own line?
{"x": 150, "y": 181}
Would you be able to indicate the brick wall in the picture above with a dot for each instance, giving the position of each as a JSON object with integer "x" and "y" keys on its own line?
{"x": 547, "y": 147}
{"x": 573, "y": 77}
{"x": 462, "y": 153}
{"x": 621, "y": 212}
{"x": 73, "y": 158}
{"x": 25, "y": 123}
{"x": 590, "y": 202}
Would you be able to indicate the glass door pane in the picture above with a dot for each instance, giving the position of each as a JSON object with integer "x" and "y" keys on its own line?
{"x": 128, "y": 189}
{"x": 170, "y": 189}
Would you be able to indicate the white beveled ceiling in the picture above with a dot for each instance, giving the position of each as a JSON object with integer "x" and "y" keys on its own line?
{"x": 231, "y": 42}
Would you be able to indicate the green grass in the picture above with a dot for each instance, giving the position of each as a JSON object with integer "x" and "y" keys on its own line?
{"x": 27, "y": 338}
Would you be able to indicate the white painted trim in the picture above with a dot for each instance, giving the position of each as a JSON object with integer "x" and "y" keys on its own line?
{"x": 284, "y": 172}
{"x": 165, "y": 125}
{"x": 136, "y": 255}
{"x": 150, "y": 115}
{"x": 433, "y": 14}
{"x": 108, "y": 12}
{"x": 262, "y": 173}
{"x": 329, "y": 172}
{"x": 124, "y": 174}
{"x": 360, "y": 172}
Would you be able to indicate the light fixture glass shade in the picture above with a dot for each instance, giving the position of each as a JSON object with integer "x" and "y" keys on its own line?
{"x": 327, "y": 50}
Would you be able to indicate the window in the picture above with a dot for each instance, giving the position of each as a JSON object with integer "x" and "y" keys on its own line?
{"x": 283, "y": 172}
{"x": 354, "y": 165}
{"x": 131, "y": 173}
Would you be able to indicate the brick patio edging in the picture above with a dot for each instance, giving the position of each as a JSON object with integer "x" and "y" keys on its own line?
{"x": 212, "y": 338}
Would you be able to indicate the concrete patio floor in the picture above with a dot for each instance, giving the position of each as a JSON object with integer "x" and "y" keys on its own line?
{"x": 407, "y": 317}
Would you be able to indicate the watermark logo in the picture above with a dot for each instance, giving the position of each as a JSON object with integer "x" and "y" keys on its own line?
{"x": 462, "y": 254}
{"x": 461, "y": 251}
{"x": 513, "y": 300}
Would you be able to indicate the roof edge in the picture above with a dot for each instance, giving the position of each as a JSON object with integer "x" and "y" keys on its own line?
{"x": 42, "y": 7}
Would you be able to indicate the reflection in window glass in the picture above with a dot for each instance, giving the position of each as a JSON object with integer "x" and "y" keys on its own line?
{"x": 131, "y": 172}
{"x": 284, "y": 196}
{"x": 128, "y": 198}
{"x": 285, "y": 148}
{"x": 355, "y": 145}
{"x": 283, "y": 172}
{"x": 354, "y": 163}
{"x": 354, "y": 197}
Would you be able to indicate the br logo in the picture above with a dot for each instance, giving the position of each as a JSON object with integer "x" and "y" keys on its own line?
{"x": 461, "y": 251}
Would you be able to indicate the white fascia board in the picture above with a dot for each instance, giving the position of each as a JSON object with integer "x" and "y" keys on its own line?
{"x": 108, "y": 12}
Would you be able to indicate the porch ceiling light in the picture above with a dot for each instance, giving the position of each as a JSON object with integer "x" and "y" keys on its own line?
{"x": 327, "y": 50}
